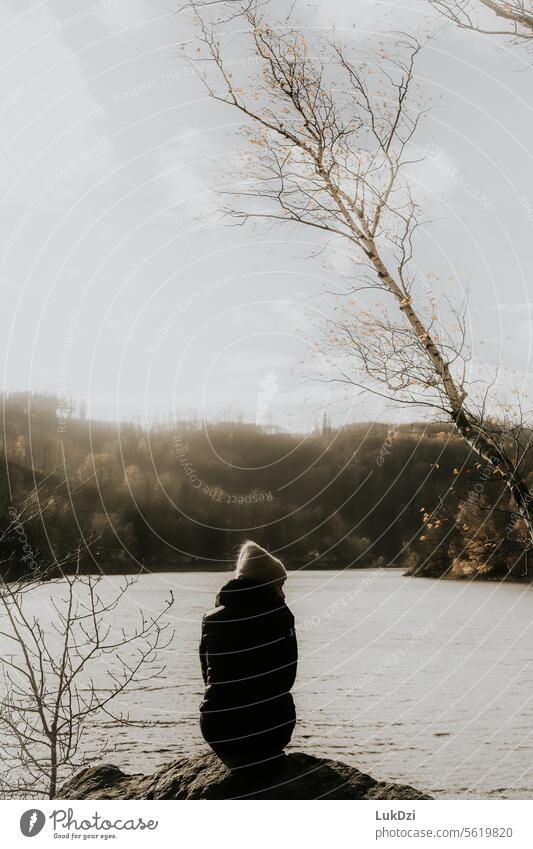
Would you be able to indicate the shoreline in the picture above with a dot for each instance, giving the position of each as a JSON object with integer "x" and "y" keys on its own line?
{"x": 165, "y": 570}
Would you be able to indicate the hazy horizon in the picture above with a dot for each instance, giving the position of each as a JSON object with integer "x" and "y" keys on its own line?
{"x": 401, "y": 417}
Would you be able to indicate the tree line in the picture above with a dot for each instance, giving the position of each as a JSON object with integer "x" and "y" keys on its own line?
{"x": 185, "y": 495}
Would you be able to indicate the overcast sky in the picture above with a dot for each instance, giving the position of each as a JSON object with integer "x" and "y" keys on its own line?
{"x": 117, "y": 290}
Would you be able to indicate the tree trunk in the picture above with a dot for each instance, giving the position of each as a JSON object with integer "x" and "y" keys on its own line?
{"x": 52, "y": 787}
{"x": 495, "y": 455}
{"x": 469, "y": 428}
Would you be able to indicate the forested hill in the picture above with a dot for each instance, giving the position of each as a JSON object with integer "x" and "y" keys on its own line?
{"x": 181, "y": 494}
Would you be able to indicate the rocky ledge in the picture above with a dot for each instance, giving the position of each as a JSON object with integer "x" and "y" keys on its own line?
{"x": 297, "y": 776}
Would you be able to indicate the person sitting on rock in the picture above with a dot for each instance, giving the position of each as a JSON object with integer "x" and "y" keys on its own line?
{"x": 248, "y": 654}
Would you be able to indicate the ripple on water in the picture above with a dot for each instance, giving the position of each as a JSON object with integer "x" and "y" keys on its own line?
{"x": 420, "y": 681}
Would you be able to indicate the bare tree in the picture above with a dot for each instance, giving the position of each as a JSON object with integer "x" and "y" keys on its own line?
{"x": 65, "y": 661}
{"x": 511, "y": 18}
{"x": 331, "y": 146}
{"x": 225, "y": 10}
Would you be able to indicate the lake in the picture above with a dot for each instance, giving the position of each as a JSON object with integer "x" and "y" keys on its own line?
{"x": 412, "y": 680}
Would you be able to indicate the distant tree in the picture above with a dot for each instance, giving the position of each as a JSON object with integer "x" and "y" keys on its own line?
{"x": 481, "y": 538}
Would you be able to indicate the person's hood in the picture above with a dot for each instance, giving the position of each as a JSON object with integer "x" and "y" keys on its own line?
{"x": 245, "y": 594}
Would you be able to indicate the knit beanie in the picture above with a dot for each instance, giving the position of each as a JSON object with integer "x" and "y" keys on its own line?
{"x": 256, "y": 564}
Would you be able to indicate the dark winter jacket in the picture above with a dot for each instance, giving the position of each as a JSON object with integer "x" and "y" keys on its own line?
{"x": 248, "y": 649}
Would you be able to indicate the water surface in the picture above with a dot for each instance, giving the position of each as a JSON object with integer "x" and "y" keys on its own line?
{"x": 412, "y": 680}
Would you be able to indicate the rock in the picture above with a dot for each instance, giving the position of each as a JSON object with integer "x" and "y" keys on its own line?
{"x": 296, "y": 776}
